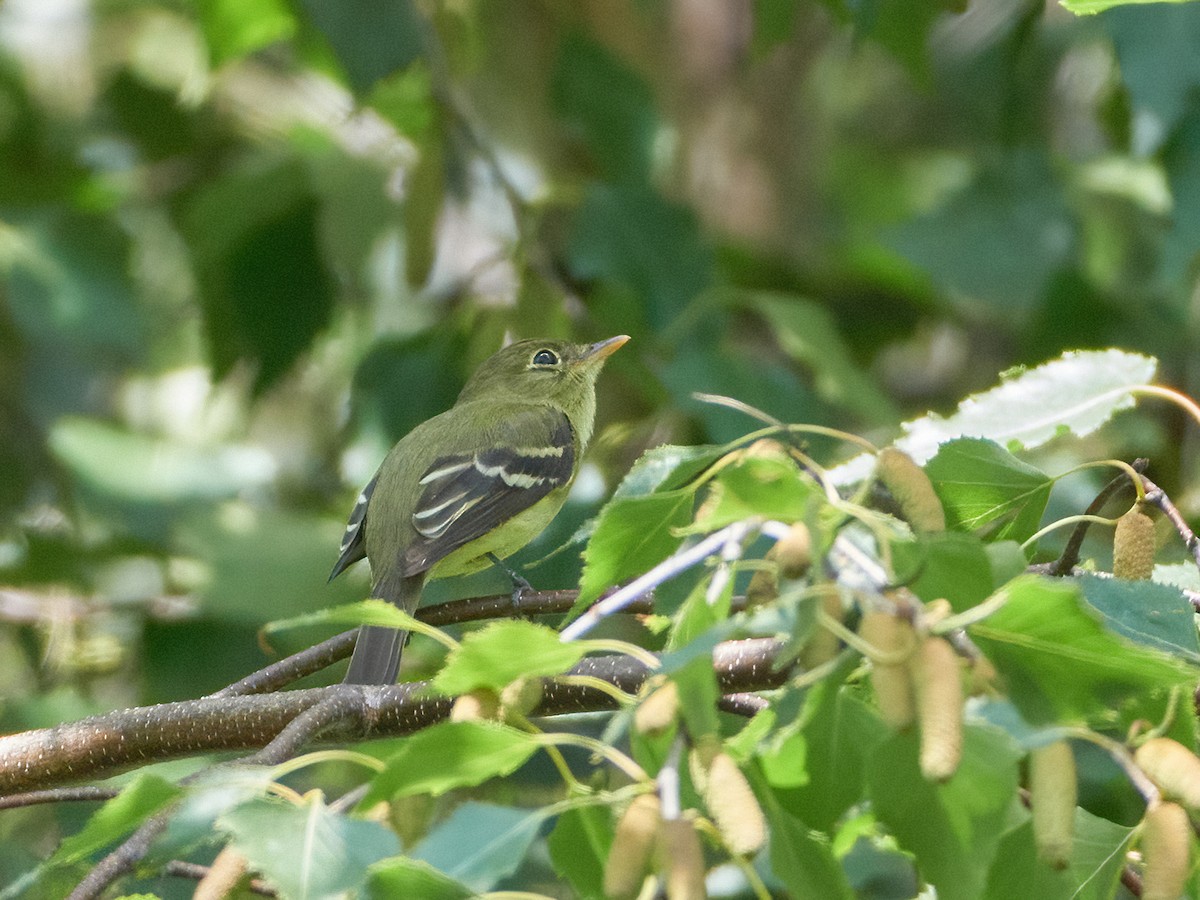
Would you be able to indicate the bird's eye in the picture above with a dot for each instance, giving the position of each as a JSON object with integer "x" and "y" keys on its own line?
{"x": 545, "y": 358}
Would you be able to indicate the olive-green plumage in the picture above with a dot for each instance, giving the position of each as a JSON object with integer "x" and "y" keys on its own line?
{"x": 483, "y": 478}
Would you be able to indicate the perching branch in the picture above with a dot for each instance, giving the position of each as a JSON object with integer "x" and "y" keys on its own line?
{"x": 105, "y": 744}
{"x": 473, "y": 609}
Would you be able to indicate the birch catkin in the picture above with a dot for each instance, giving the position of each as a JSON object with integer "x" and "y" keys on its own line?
{"x": 912, "y": 489}
{"x": 891, "y": 677}
{"x": 939, "y": 692}
{"x": 1166, "y": 851}
{"x": 1053, "y": 793}
{"x": 632, "y": 847}
{"x": 1133, "y": 546}
{"x": 1173, "y": 767}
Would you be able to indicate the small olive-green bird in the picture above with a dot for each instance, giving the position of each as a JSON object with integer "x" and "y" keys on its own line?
{"x": 474, "y": 483}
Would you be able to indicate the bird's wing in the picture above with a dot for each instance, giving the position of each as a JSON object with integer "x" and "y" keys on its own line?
{"x": 354, "y": 545}
{"x": 464, "y": 496}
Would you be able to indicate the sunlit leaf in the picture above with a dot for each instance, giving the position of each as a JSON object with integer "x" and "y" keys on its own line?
{"x": 1076, "y": 393}
{"x": 451, "y": 755}
{"x": 632, "y": 535}
{"x": 1059, "y": 661}
{"x": 502, "y": 652}
{"x": 983, "y": 486}
{"x": 402, "y": 876}
{"x": 755, "y": 486}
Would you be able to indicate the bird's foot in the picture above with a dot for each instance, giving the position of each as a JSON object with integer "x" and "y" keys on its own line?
{"x": 519, "y": 584}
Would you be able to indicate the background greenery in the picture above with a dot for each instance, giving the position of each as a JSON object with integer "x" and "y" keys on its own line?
{"x": 246, "y": 245}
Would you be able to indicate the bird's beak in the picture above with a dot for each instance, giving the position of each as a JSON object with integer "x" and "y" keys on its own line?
{"x": 601, "y": 350}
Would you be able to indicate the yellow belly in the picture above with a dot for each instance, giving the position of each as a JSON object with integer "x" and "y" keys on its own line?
{"x": 503, "y": 541}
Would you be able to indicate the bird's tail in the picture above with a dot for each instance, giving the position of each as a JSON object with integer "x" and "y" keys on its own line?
{"x": 376, "y": 658}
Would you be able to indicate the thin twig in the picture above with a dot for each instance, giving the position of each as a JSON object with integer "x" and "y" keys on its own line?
{"x": 82, "y": 794}
{"x": 1156, "y": 496}
{"x": 195, "y": 871}
{"x": 472, "y": 609}
{"x": 1070, "y": 555}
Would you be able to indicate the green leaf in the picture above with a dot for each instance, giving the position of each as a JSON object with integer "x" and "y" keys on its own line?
{"x": 265, "y": 286}
{"x": 698, "y": 693}
{"x": 451, "y": 755}
{"x": 903, "y": 28}
{"x": 1099, "y": 855}
{"x": 632, "y": 236}
{"x": 390, "y": 369}
{"x": 260, "y": 562}
{"x": 949, "y": 565}
{"x": 68, "y": 289}
{"x": 981, "y": 484}
{"x": 1016, "y": 871}
{"x": 365, "y": 612}
{"x": 953, "y": 829}
{"x": 480, "y": 844}
{"x": 1155, "y": 615}
{"x": 502, "y": 652}
{"x": 800, "y": 857}
{"x": 632, "y": 536}
{"x": 807, "y": 333}
{"x": 755, "y": 486}
{"x": 1181, "y": 159}
{"x": 839, "y": 733}
{"x": 371, "y": 40}
{"x": 1091, "y": 7}
{"x": 204, "y": 800}
{"x": 774, "y": 21}
{"x": 667, "y": 467}
{"x": 402, "y": 876}
{"x": 1158, "y": 50}
{"x": 1076, "y": 393}
{"x": 307, "y": 851}
{"x": 144, "y": 796}
{"x": 579, "y": 846}
{"x": 1059, "y": 662}
{"x": 1096, "y": 862}
{"x": 609, "y": 105}
{"x": 1014, "y": 200}
{"x": 877, "y": 870}
{"x": 235, "y": 28}
{"x": 134, "y": 468}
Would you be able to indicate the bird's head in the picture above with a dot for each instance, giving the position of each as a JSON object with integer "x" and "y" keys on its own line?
{"x": 560, "y": 373}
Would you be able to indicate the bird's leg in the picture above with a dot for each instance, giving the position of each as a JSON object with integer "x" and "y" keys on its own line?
{"x": 519, "y": 584}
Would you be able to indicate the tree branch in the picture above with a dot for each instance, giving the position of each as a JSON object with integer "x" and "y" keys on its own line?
{"x": 105, "y": 744}
{"x": 1070, "y": 554}
{"x": 473, "y": 609}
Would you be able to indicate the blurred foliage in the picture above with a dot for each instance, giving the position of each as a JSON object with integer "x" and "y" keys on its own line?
{"x": 247, "y": 244}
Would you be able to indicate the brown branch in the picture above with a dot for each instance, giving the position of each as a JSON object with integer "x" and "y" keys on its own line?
{"x": 1156, "y": 496}
{"x": 473, "y": 609}
{"x": 82, "y": 794}
{"x": 196, "y": 872}
{"x": 104, "y": 744}
{"x": 335, "y": 706}
{"x": 1070, "y": 554}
